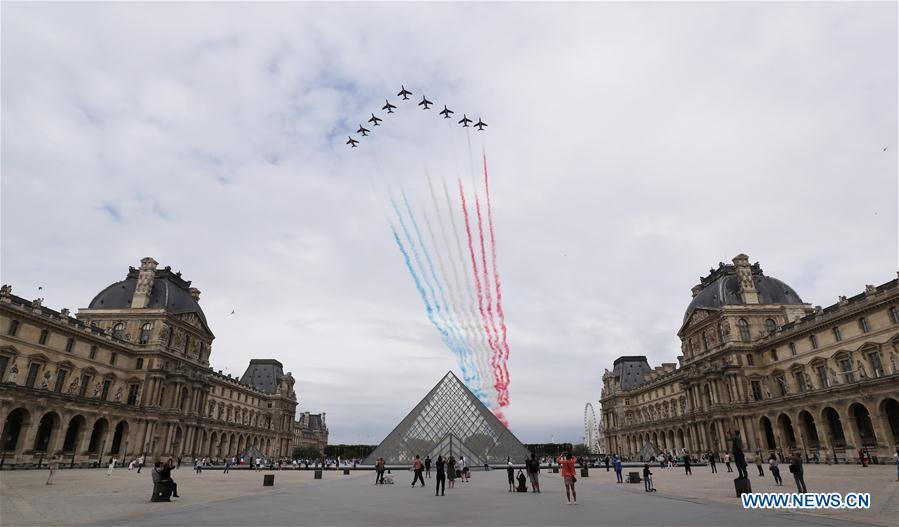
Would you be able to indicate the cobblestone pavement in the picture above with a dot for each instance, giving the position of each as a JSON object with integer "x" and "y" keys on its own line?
{"x": 90, "y": 497}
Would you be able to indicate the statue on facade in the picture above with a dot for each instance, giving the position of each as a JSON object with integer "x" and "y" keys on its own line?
{"x": 45, "y": 384}
{"x": 97, "y": 390}
{"x": 5, "y": 290}
{"x": 808, "y": 381}
{"x": 14, "y": 371}
{"x": 893, "y": 362}
{"x": 118, "y": 394}
{"x": 834, "y": 380}
{"x": 861, "y": 369}
{"x": 73, "y": 386}
{"x": 137, "y": 397}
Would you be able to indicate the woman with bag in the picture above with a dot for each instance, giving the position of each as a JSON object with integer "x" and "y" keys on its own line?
{"x": 567, "y": 462}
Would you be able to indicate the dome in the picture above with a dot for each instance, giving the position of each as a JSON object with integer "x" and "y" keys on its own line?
{"x": 169, "y": 292}
{"x": 722, "y": 288}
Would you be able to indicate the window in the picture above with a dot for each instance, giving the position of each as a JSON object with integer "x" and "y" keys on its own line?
{"x": 107, "y": 384}
{"x": 32, "y": 374}
{"x": 70, "y": 343}
{"x": 894, "y": 314}
{"x": 168, "y": 343}
{"x": 161, "y": 396}
{"x": 814, "y": 340}
{"x": 770, "y": 326}
{"x": 846, "y": 365}
{"x": 145, "y": 333}
{"x": 93, "y": 353}
{"x": 792, "y": 349}
{"x": 44, "y": 336}
{"x": 140, "y": 364}
{"x": 60, "y": 381}
{"x": 800, "y": 381}
{"x": 756, "y": 390}
{"x": 749, "y": 360}
{"x": 186, "y": 343}
{"x": 705, "y": 342}
{"x": 118, "y": 331}
{"x": 837, "y": 334}
{"x": 744, "y": 330}
{"x": 3, "y": 363}
{"x": 863, "y": 325}
{"x": 85, "y": 382}
{"x": 132, "y": 394}
{"x": 14, "y": 327}
{"x": 112, "y": 358}
{"x": 822, "y": 376}
{"x": 782, "y": 385}
{"x": 774, "y": 355}
{"x": 874, "y": 359}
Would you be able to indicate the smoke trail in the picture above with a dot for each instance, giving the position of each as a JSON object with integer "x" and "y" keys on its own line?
{"x": 488, "y": 299}
{"x": 421, "y": 291}
{"x": 483, "y": 349}
{"x": 474, "y": 267}
{"x": 499, "y": 290}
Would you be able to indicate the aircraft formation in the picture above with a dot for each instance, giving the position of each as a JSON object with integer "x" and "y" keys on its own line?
{"x": 425, "y": 105}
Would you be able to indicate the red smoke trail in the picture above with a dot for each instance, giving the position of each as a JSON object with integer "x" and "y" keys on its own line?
{"x": 503, "y": 395}
{"x": 477, "y": 281}
{"x": 495, "y": 360}
{"x": 499, "y": 415}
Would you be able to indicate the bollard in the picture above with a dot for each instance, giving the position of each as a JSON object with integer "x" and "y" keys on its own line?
{"x": 585, "y": 473}
{"x": 268, "y": 480}
{"x": 346, "y": 472}
{"x": 318, "y": 473}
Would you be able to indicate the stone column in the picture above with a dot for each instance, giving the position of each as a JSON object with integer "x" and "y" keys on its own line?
{"x": 853, "y": 440}
{"x": 884, "y": 435}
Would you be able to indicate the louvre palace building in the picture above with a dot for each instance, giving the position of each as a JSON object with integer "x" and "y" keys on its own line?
{"x": 758, "y": 360}
{"x": 130, "y": 375}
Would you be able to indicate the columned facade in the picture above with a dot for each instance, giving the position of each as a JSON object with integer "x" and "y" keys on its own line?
{"x": 759, "y": 362}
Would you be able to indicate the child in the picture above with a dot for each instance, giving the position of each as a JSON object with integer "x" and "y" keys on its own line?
{"x": 647, "y": 478}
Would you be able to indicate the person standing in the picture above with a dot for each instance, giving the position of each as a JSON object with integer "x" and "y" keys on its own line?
{"x": 428, "y": 466}
{"x": 687, "y": 465}
{"x": 112, "y": 462}
{"x": 451, "y": 471}
{"x": 896, "y": 459}
{"x": 647, "y": 479}
{"x": 418, "y": 467}
{"x": 617, "y": 463}
{"x": 140, "y": 463}
{"x": 739, "y": 456}
{"x": 533, "y": 468}
{"x": 53, "y": 465}
{"x": 712, "y": 463}
{"x": 567, "y": 462}
{"x": 198, "y": 466}
{"x": 178, "y": 466}
{"x": 227, "y": 466}
{"x": 796, "y": 469}
{"x": 775, "y": 470}
{"x": 758, "y": 463}
{"x": 727, "y": 461}
{"x": 440, "y": 487}
{"x": 607, "y": 462}
{"x": 510, "y": 472}
{"x": 465, "y": 472}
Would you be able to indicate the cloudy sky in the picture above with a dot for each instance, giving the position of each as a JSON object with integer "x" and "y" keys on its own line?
{"x": 631, "y": 147}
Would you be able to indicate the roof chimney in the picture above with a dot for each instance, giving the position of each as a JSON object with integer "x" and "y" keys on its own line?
{"x": 145, "y": 278}
{"x": 748, "y": 292}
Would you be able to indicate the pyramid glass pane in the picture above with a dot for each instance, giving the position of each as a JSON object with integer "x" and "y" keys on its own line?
{"x": 450, "y": 420}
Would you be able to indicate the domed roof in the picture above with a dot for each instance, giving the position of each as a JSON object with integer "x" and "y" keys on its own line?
{"x": 722, "y": 288}
{"x": 169, "y": 292}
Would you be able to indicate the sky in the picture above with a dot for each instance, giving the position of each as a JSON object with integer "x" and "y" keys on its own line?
{"x": 631, "y": 147}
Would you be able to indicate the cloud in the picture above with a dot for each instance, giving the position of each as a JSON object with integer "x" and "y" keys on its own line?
{"x": 632, "y": 147}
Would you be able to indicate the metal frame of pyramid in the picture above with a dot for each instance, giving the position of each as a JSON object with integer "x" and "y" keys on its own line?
{"x": 450, "y": 420}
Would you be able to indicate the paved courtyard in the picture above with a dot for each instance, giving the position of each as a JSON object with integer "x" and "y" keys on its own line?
{"x": 90, "y": 497}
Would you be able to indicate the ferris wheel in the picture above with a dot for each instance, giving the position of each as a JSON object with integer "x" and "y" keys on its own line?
{"x": 591, "y": 432}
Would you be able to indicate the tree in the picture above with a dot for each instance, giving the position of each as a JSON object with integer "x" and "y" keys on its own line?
{"x": 306, "y": 452}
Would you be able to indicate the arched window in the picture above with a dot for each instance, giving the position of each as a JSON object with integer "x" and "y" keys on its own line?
{"x": 118, "y": 331}
{"x": 744, "y": 330}
{"x": 145, "y": 333}
{"x": 770, "y": 326}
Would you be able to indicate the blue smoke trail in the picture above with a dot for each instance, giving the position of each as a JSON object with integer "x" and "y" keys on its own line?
{"x": 471, "y": 379}
{"x": 448, "y": 340}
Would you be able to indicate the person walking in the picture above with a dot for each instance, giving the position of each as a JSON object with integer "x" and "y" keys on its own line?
{"x": 112, "y": 462}
{"x": 510, "y": 472}
{"x": 178, "y": 466}
{"x": 418, "y": 467}
{"x": 775, "y": 470}
{"x": 451, "y": 471}
{"x": 647, "y": 479}
{"x": 440, "y": 486}
{"x": 533, "y": 468}
{"x": 567, "y": 462}
{"x": 607, "y": 462}
{"x": 53, "y": 465}
{"x": 796, "y": 469}
{"x": 617, "y": 463}
{"x": 896, "y": 459}
{"x": 428, "y": 466}
{"x": 739, "y": 456}
{"x": 227, "y": 466}
{"x": 687, "y": 465}
{"x": 465, "y": 472}
{"x": 712, "y": 463}
{"x": 379, "y": 471}
{"x": 198, "y": 466}
{"x": 140, "y": 463}
{"x": 758, "y": 463}
{"x": 727, "y": 461}
{"x": 165, "y": 476}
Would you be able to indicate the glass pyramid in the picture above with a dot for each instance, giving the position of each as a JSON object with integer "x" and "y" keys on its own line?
{"x": 450, "y": 420}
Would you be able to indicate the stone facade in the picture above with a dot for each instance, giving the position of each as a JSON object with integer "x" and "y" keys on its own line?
{"x": 310, "y": 431}
{"x": 758, "y": 361}
{"x": 129, "y": 375}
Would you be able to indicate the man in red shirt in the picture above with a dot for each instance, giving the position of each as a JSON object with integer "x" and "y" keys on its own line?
{"x": 418, "y": 467}
{"x": 567, "y": 461}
